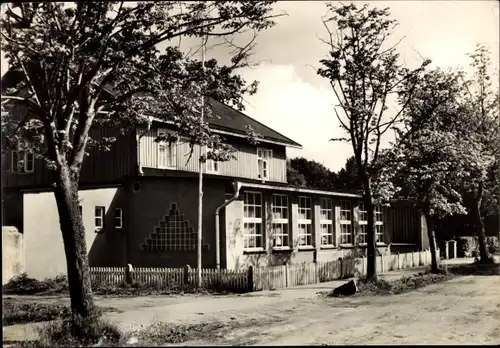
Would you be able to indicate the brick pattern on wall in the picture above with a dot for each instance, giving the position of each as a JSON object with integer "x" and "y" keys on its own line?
{"x": 174, "y": 233}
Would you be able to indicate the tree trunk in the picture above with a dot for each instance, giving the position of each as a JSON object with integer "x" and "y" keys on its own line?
{"x": 75, "y": 247}
{"x": 479, "y": 225}
{"x": 371, "y": 241}
{"x": 432, "y": 242}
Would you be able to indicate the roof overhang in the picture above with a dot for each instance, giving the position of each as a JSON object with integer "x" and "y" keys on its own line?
{"x": 235, "y": 134}
{"x": 299, "y": 190}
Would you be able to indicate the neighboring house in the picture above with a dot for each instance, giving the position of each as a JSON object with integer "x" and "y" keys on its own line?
{"x": 139, "y": 205}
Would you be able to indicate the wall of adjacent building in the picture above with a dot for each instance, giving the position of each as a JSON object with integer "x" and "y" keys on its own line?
{"x": 13, "y": 261}
{"x": 43, "y": 241}
{"x": 400, "y": 224}
{"x": 151, "y": 201}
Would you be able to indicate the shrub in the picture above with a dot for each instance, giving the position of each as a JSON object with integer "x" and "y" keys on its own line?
{"x": 467, "y": 246}
{"x": 493, "y": 245}
{"x": 24, "y": 285}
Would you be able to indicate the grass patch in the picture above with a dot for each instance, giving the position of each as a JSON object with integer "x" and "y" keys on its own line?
{"x": 163, "y": 333}
{"x": 17, "y": 311}
{"x": 405, "y": 284}
{"x": 476, "y": 268}
{"x": 93, "y": 331}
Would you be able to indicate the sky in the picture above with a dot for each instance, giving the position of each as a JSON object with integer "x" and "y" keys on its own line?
{"x": 298, "y": 103}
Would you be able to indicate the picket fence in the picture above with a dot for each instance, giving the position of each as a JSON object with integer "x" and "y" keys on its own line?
{"x": 285, "y": 276}
{"x": 171, "y": 277}
{"x": 258, "y": 278}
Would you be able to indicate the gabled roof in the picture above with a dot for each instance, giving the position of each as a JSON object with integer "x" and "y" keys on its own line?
{"x": 234, "y": 121}
{"x": 226, "y": 121}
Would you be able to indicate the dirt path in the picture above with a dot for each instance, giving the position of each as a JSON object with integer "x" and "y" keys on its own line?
{"x": 465, "y": 310}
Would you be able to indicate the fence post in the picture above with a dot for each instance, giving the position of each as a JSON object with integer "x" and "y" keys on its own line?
{"x": 341, "y": 268}
{"x": 187, "y": 268}
{"x": 286, "y": 274}
{"x": 382, "y": 263}
{"x": 250, "y": 279}
{"x": 399, "y": 264}
{"x": 412, "y": 259}
{"x": 128, "y": 274}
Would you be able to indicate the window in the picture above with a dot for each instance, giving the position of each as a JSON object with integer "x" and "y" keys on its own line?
{"x": 99, "y": 218}
{"x": 280, "y": 221}
{"x": 23, "y": 162}
{"x": 263, "y": 157}
{"x": 252, "y": 221}
{"x": 325, "y": 222}
{"x": 304, "y": 232}
{"x": 167, "y": 151}
{"x": 212, "y": 165}
{"x": 379, "y": 229}
{"x": 118, "y": 218}
{"x": 345, "y": 222}
{"x": 363, "y": 223}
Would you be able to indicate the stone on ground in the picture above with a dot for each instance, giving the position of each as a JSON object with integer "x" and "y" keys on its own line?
{"x": 347, "y": 289}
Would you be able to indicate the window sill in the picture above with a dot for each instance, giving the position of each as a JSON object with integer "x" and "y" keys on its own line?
{"x": 306, "y": 247}
{"x": 326, "y": 247}
{"x": 361, "y": 245}
{"x": 347, "y": 246}
{"x": 283, "y": 248}
{"x": 254, "y": 251}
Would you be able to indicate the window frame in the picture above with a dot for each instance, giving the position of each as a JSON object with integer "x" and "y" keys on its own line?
{"x": 27, "y": 157}
{"x": 283, "y": 222}
{"x": 169, "y": 146}
{"x": 120, "y": 218}
{"x": 363, "y": 223}
{"x": 348, "y": 223}
{"x": 211, "y": 166}
{"x": 102, "y": 209}
{"x": 254, "y": 221}
{"x": 306, "y": 222}
{"x": 326, "y": 223}
{"x": 379, "y": 224}
{"x": 263, "y": 156}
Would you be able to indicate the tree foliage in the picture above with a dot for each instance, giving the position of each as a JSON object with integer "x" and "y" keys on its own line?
{"x": 84, "y": 64}
{"x": 315, "y": 174}
{"x": 365, "y": 74}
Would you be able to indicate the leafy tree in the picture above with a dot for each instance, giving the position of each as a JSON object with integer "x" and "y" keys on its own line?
{"x": 293, "y": 176}
{"x": 430, "y": 165}
{"x": 364, "y": 75}
{"x": 347, "y": 177}
{"x": 479, "y": 129}
{"x": 316, "y": 175}
{"x": 97, "y": 64}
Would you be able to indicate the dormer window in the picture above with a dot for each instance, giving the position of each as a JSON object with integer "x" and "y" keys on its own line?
{"x": 263, "y": 156}
{"x": 23, "y": 160}
{"x": 167, "y": 150}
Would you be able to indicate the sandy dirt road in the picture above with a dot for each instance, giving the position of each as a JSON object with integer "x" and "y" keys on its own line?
{"x": 465, "y": 310}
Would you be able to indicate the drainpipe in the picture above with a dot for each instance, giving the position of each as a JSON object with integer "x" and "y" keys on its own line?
{"x": 139, "y": 164}
{"x": 237, "y": 187}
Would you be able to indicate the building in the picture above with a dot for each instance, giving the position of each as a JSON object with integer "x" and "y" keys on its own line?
{"x": 139, "y": 205}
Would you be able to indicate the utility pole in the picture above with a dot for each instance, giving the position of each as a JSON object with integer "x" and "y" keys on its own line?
{"x": 200, "y": 182}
